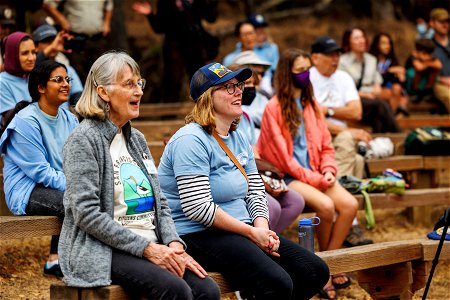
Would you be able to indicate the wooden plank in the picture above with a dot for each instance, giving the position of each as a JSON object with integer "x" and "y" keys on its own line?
{"x": 398, "y": 163}
{"x": 165, "y": 110}
{"x": 411, "y": 198}
{"x": 415, "y": 121}
{"x": 158, "y": 130}
{"x": 61, "y": 291}
{"x": 371, "y": 256}
{"x": 14, "y": 227}
{"x": 112, "y": 292}
{"x": 436, "y": 162}
{"x": 429, "y": 248}
{"x": 156, "y": 149}
{"x": 388, "y": 282}
{"x": 115, "y": 292}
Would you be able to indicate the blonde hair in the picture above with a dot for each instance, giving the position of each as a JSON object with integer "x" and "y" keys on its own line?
{"x": 203, "y": 113}
{"x": 105, "y": 70}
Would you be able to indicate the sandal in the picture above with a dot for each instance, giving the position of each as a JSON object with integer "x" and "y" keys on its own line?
{"x": 324, "y": 292}
{"x": 341, "y": 285}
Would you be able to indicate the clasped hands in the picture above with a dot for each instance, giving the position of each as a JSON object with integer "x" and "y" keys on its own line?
{"x": 266, "y": 239}
{"x": 173, "y": 258}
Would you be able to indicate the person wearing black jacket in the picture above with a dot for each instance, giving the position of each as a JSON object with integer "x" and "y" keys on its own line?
{"x": 187, "y": 45}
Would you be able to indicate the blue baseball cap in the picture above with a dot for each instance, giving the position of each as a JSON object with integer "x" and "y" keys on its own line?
{"x": 43, "y": 32}
{"x": 258, "y": 20}
{"x": 214, "y": 74}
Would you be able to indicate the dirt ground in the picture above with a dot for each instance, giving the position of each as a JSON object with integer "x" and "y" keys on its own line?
{"x": 21, "y": 261}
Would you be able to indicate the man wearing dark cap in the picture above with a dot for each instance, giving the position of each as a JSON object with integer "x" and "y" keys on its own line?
{"x": 49, "y": 44}
{"x": 439, "y": 21}
{"x": 336, "y": 92}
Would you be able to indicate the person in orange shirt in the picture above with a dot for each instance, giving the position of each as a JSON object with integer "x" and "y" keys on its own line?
{"x": 295, "y": 138}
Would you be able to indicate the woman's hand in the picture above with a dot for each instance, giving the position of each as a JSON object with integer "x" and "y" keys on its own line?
{"x": 191, "y": 263}
{"x": 329, "y": 178}
{"x": 265, "y": 239}
{"x": 168, "y": 258}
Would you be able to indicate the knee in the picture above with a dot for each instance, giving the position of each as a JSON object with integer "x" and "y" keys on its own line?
{"x": 350, "y": 206}
{"x": 327, "y": 210}
{"x": 210, "y": 291}
{"x": 174, "y": 289}
{"x": 282, "y": 286}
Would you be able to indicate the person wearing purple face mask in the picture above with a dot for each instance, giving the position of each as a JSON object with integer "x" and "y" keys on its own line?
{"x": 295, "y": 138}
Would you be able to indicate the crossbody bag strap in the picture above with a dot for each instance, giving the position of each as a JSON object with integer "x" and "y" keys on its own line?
{"x": 359, "y": 84}
{"x": 229, "y": 153}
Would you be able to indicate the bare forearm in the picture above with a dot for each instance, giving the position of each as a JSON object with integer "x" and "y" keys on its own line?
{"x": 224, "y": 221}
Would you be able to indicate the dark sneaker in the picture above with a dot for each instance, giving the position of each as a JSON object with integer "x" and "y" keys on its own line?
{"x": 355, "y": 237}
{"x": 54, "y": 270}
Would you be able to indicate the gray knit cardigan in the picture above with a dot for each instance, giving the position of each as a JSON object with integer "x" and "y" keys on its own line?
{"x": 89, "y": 230}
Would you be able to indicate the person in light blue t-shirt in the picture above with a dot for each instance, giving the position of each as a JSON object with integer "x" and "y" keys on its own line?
{"x": 218, "y": 201}
{"x": 31, "y": 144}
{"x": 20, "y": 59}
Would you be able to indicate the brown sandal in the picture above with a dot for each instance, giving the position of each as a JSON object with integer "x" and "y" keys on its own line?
{"x": 339, "y": 286}
{"x": 324, "y": 293}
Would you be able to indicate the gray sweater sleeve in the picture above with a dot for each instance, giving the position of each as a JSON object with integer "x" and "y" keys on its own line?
{"x": 85, "y": 162}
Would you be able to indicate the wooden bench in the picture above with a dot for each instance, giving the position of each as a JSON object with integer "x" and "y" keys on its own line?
{"x": 389, "y": 269}
{"x": 415, "y": 121}
{"x": 158, "y": 130}
{"x": 14, "y": 227}
{"x": 158, "y": 111}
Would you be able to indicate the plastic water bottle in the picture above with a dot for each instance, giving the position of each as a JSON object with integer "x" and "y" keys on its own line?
{"x": 306, "y": 232}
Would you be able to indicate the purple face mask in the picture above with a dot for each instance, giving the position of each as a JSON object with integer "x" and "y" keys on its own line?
{"x": 301, "y": 80}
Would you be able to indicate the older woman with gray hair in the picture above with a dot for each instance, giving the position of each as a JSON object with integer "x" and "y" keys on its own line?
{"x": 117, "y": 226}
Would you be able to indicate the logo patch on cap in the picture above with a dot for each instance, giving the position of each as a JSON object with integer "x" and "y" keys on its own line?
{"x": 219, "y": 69}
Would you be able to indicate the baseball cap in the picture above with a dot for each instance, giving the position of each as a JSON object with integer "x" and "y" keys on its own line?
{"x": 439, "y": 14}
{"x": 249, "y": 57}
{"x": 325, "y": 44}
{"x": 258, "y": 20}
{"x": 43, "y": 32}
{"x": 214, "y": 74}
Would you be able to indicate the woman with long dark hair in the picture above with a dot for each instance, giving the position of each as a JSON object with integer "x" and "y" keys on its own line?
{"x": 362, "y": 67}
{"x": 31, "y": 144}
{"x": 393, "y": 74}
{"x": 295, "y": 138}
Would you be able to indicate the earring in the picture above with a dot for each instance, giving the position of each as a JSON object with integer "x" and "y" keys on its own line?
{"x": 107, "y": 107}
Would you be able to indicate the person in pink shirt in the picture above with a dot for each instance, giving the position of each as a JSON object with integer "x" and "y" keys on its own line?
{"x": 295, "y": 138}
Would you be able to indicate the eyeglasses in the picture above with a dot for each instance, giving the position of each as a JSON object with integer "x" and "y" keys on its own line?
{"x": 131, "y": 85}
{"x": 231, "y": 87}
{"x": 59, "y": 79}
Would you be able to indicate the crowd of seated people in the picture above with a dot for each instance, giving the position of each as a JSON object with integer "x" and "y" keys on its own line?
{"x": 292, "y": 110}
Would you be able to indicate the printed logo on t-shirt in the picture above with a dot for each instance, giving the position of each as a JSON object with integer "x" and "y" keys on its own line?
{"x": 137, "y": 191}
{"x": 242, "y": 158}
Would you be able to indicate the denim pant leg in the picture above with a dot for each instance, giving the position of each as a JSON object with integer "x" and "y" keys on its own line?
{"x": 308, "y": 272}
{"x": 141, "y": 277}
{"x": 46, "y": 202}
{"x": 241, "y": 262}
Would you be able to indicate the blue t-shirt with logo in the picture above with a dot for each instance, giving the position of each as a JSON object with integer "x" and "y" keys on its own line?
{"x": 192, "y": 151}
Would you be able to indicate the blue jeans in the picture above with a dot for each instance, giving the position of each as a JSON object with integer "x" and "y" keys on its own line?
{"x": 141, "y": 278}
{"x": 296, "y": 274}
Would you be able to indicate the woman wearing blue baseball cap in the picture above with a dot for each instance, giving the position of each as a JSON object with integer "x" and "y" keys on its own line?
{"x": 209, "y": 176}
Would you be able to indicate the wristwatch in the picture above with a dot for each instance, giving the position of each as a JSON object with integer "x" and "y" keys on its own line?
{"x": 330, "y": 112}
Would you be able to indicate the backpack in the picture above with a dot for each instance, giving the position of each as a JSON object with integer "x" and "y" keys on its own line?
{"x": 380, "y": 184}
{"x": 428, "y": 141}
